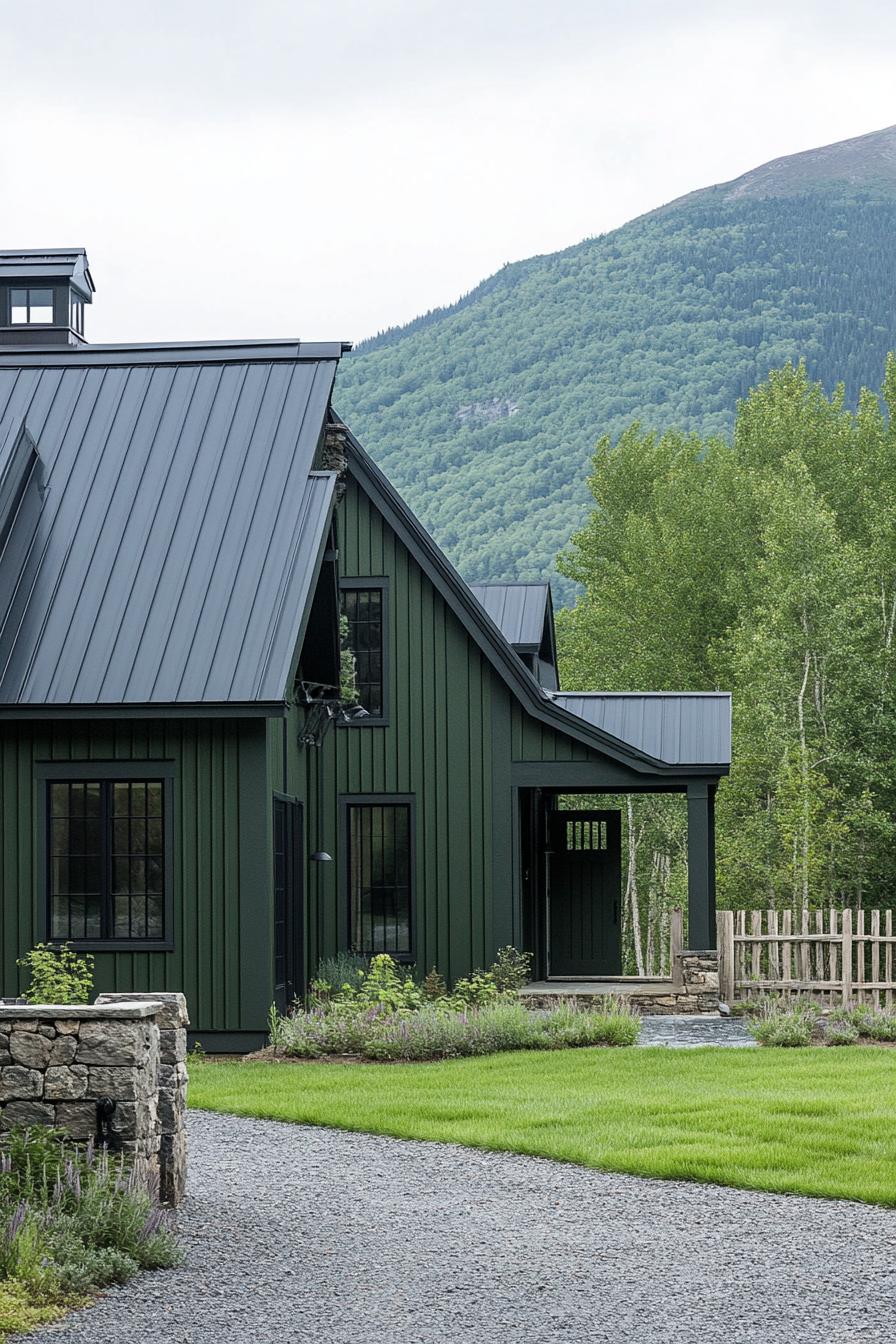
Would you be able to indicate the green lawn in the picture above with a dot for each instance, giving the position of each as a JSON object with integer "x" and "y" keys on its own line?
{"x": 813, "y": 1121}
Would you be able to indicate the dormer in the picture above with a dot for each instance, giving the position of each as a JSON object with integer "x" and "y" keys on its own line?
{"x": 524, "y": 613}
{"x": 42, "y": 296}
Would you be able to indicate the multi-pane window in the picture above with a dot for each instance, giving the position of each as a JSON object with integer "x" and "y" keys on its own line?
{"x": 107, "y": 859}
{"x": 363, "y": 607}
{"x": 30, "y": 306}
{"x": 379, "y": 877}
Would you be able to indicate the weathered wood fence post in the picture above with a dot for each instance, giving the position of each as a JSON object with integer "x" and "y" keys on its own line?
{"x": 676, "y": 947}
{"x": 725, "y": 937}
{"x": 846, "y": 957}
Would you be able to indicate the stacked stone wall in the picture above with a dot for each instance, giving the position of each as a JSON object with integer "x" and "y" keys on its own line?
{"x": 113, "y": 1071}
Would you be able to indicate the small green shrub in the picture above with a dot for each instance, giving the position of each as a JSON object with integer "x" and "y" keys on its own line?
{"x": 783, "y": 1026}
{"x": 58, "y": 974}
{"x": 840, "y": 1030}
{"x": 612, "y": 1022}
{"x": 335, "y": 973}
{"x": 511, "y": 970}
{"x": 880, "y": 1026}
{"x": 476, "y": 990}
{"x": 433, "y": 986}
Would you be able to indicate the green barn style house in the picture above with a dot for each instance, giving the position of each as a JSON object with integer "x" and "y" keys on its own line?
{"x": 184, "y": 791}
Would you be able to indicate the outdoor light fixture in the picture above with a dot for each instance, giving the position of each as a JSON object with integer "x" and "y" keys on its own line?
{"x": 321, "y": 856}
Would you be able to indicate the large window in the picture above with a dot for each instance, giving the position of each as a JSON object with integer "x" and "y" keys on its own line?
{"x": 108, "y": 862}
{"x": 364, "y": 607}
{"x": 28, "y": 306}
{"x": 380, "y": 858}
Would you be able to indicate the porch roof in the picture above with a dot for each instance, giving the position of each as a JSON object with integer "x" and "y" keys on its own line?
{"x": 683, "y": 728}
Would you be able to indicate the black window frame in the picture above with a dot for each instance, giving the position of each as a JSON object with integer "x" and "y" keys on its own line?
{"x": 28, "y": 290}
{"x": 357, "y": 800}
{"x": 381, "y": 584}
{"x": 107, "y": 772}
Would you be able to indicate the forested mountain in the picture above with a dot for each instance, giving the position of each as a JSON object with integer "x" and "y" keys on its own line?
{"x": 485, "y": 414}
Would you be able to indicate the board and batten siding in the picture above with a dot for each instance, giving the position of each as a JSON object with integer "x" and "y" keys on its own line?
{"x": 534, "y": 741}
{"x": 222, "y": 956}
{"x": 438, "y": 746}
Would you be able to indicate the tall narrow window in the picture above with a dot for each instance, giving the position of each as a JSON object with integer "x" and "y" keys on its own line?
{"x": 107, "y": 860}
{"x": 364, "y": 606}
{"x": 379, "y": 877}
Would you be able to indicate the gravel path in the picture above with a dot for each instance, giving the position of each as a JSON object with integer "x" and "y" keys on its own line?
{"x": 296, "y": 1234}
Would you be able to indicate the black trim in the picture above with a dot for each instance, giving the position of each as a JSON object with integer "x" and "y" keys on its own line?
{"x": 49, "y": 772}
{"x": 409, "y": 800}
{"x": 380, "y": 582}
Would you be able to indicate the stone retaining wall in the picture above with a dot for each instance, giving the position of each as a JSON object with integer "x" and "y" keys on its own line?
{"x": 693, "y": 988}
{"x": 112, "y": 1071}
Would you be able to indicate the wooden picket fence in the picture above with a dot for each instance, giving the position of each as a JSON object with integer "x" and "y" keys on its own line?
{"x": 842, "y": 956}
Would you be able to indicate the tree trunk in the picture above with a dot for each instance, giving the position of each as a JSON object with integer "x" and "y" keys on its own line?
{"x": 631, "y": 886}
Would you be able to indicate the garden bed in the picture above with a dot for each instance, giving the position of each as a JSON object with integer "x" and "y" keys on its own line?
{"x": 73, "y": 1220}
{"x": 802, "y": 1022}
{"x": 379, "y": 1014}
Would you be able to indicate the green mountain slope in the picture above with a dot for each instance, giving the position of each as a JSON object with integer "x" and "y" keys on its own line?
{"x": 485, "y": 414}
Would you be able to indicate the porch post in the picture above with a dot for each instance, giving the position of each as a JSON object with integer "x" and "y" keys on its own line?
{"x": 701, "y": 865}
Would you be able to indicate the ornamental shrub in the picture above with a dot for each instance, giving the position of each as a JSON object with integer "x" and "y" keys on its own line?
{"x": 58, "y": 974}
{"x": 511, "y": 970}
{"x": 839, "y": 1030}
{"x": 783, "y": 1027}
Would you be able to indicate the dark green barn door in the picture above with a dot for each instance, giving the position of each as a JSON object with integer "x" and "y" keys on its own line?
{"x": 583, "y": 897}
{"x": 288, "y": 905}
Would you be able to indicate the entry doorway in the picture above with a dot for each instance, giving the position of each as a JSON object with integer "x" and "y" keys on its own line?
{"x": 289, "y": 978}
{"x": 583, "y": 894}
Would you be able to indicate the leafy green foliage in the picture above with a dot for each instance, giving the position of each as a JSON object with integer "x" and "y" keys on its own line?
{"x": 73, "y": 1221}
{"x": 348, "y": 669}
{"x": 668, "y": 320}
{"x": 511, "y": 969}
{"x": 766, "y": 566}
{"x": 58, "y": 974}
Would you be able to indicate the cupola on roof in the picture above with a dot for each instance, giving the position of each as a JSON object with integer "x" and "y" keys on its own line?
{"x": 42, "y": 296}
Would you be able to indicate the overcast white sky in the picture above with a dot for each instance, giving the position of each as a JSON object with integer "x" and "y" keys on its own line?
{"x": 256, "y": 168}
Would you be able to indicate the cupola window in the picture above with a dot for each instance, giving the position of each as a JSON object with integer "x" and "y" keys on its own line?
{"x": 29, "y": 307}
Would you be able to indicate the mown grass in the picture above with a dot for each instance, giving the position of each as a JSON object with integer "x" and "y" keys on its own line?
{"x": 814, "y": 1122}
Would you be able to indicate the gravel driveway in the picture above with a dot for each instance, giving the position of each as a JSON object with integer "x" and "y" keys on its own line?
{"x": 298, "y": 1234}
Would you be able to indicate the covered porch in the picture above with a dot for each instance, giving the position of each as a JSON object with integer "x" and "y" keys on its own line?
{"x": 569, "y": 843}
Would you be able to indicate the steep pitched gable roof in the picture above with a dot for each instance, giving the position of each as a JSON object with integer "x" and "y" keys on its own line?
{"x": 541, "y": 704}
{"x": 173, "y": 551}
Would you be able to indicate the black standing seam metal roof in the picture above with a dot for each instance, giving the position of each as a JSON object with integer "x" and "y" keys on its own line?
{"x": 170, "y": 556}
{"x": 518, "y": 610}
{"x": 680, "y": 728}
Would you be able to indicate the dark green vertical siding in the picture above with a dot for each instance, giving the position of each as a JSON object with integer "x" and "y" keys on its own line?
{"x": 437, "y": 747}
{"x": 533, "y": 741}
{"x": 222, "y": 958}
